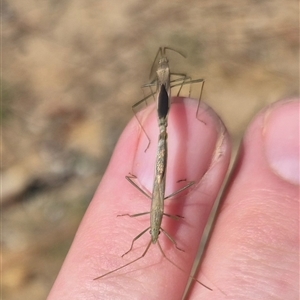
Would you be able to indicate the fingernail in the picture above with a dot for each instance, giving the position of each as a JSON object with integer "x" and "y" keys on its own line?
{"x": 191, "y": 145}
{"x": 281, "y": 132}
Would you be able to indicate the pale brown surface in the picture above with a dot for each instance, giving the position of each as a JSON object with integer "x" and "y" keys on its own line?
{"x": 71, "y": 71}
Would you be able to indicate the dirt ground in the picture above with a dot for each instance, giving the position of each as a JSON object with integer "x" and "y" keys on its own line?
{"x": 71, "y": 70}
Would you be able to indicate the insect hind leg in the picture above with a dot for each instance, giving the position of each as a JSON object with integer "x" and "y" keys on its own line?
{"x": 137, "y": 237}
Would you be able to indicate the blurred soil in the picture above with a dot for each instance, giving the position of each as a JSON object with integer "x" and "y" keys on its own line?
{"x": 71, "y": 71}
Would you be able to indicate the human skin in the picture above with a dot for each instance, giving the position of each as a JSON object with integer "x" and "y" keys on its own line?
{"x": 253, "y": 251}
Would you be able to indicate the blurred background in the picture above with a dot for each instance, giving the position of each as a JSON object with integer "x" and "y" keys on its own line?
{"x": 71, "y": 70}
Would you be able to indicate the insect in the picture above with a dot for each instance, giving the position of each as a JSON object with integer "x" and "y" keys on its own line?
{"x": 158, "y": 192}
